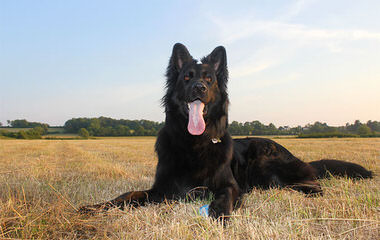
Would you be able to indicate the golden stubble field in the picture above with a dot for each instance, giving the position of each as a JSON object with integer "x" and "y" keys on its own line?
{"x": 43, "y": 182}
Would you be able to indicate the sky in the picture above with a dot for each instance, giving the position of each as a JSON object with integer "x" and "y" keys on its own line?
{"x": 291, "y": 62}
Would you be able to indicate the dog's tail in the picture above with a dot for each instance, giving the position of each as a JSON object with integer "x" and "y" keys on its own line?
{"x": 327, "y": 167}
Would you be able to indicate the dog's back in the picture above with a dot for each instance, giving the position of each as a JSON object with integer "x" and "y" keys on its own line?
{"x": 327, "y": 167}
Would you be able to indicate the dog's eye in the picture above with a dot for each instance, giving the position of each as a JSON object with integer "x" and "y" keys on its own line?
{"x": 189, "y": 76}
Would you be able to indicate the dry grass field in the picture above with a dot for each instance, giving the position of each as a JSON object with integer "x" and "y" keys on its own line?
{"x": 43, "y": 182}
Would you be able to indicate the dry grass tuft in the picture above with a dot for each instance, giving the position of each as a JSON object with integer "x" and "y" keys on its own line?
{"x": 44, "y": 182}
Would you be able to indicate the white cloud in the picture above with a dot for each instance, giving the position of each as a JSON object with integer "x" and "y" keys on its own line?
{"x": 296, "y": 8}
{"x": 238, "y": 29}
{"x": 234, "y": 29}
{"x": 280, "y": 41}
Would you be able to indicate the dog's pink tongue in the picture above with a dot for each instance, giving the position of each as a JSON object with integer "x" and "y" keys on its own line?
{"x": 196, "y": 124}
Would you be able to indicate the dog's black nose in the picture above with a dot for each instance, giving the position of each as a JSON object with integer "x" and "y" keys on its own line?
{"x": 199, "y": 87}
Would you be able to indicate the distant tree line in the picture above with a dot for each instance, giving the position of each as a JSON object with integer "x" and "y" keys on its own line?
{"x": 23, "y": 123}
{"x": 33, "y": 130}
{"x": 103, "y": 126}
{"x": 32, "y": 133}
{"x": 257, "y": 128}
{"x": 357, "y": 129}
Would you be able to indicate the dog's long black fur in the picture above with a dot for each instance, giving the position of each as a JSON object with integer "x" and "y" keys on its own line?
{"x": 211, "y": 158}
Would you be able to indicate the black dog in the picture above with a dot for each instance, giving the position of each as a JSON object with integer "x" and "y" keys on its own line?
{"x": 195, "y": 149}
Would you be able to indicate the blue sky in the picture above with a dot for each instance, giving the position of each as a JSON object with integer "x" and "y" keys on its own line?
{"x": 291, "y": 62}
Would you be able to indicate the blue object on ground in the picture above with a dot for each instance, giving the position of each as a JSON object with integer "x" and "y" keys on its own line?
{"x": 203, "y": 211}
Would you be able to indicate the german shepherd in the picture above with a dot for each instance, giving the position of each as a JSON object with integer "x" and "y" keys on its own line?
{"x": 195, "y": 149}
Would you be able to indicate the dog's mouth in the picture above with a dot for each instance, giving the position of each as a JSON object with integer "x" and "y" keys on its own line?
{"x": 196, "y": 111}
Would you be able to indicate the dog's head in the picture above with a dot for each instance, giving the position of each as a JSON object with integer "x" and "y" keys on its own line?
{"x": 197, "y": 91}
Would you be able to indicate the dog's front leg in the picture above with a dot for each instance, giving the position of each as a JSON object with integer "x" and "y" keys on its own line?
{"x": 226, "y": 193}
{"x": 135, "y": 198}
{"x": 224, "y": 203}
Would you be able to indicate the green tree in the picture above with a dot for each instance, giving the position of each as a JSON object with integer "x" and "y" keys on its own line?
{"x": 83, "y": 133}
{"x": 34, "y": 133}
{"x": 353, "y": 128}
{"x": 374, "y": 125}
{"x": 95, "y": 128}
{"x": 22, "y": 135}
{"x": 364, "y": 130}
{"x": 140, "y": 131}
{"x": 23, "y": 123}
{"x": 39, "y": 130}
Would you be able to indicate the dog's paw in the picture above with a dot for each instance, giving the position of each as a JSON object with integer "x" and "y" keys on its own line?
{"x": 219, "y": 210}
{"x": 92, "y": 209}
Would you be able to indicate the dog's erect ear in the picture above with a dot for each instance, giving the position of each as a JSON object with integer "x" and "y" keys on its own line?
{"x": 180, "y": 56}
{"x": 218, "y": 58}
